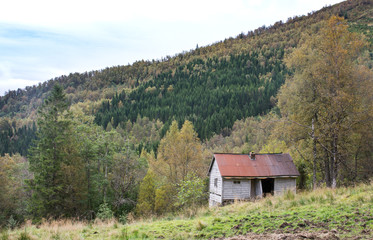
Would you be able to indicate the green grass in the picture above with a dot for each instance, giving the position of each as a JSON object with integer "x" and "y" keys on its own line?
{"x": 347, "y": 212}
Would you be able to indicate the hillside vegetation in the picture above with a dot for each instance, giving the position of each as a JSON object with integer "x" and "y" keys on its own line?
{"x": 251, "y": 66}
{"x": 343, "y": 213}
{"x": 137, "y": 140}
{"x": 101, "y": 84}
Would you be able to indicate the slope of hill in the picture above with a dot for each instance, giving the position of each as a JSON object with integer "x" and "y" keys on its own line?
{"x": 212, "y": 86}
{"x": 211, "y": 93}
{"x": 96, "y": 85}
{"x": 344, "y": 213}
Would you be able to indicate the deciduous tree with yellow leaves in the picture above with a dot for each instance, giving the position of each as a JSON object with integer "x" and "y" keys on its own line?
{"x": 327, "y": 98}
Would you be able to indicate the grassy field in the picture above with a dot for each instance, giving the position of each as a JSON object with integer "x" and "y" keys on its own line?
{"x": 345, "y": 213}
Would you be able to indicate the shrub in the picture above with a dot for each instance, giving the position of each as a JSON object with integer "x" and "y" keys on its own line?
{"x": 123, "y": 218}
{"x": 104, "y": 212}
{"x": 191, "y": 191}
{"x": 12, "y": 223}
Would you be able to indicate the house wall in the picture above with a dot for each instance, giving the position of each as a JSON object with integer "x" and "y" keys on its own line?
{"x": 232, "y": 191}
{"x": 283, "y": 184}
{"x": 216, "y": 192}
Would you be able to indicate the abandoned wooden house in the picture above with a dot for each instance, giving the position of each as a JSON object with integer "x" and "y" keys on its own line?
{"x": 247, "y": 176}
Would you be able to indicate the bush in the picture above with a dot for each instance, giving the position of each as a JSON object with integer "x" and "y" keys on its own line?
{"x": 104, "y": 212}
{"x": 191, "y": 192}
{"x": 123, "y": 218}
{"x": 12, "y": 223}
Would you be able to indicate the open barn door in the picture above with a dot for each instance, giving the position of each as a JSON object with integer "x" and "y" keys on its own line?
{"x": 268, "y": 186}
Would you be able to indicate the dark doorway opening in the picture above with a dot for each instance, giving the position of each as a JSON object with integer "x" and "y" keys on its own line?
{"x": 268, "y": 186}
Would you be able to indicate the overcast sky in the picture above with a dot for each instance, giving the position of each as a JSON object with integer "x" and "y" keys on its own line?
{"x": 43, "y": 39}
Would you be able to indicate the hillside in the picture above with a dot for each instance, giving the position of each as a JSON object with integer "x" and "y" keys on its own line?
{"x": 279, "y": 35}
{"x": 344, "y": 213}
{"x": 136, "y": 141}
{"x": 212, "y": 86}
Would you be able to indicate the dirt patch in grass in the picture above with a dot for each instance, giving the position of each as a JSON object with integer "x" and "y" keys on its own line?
{"x": 287, "y": 236}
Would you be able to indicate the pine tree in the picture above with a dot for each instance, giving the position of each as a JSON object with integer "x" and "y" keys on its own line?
{"x": 57, "y": 169}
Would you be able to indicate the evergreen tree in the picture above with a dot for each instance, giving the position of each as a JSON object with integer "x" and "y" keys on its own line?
{"x": 58, "y": 172}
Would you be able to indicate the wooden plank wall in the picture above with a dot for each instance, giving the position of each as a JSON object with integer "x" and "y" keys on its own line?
{"x": 215, "y": 192}
{"x": 283, "y": 184}
{"x": 236, "y": 190}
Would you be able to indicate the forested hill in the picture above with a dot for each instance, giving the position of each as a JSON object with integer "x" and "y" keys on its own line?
{"x": 96, "y": 85}
{"x": 212, "y": 86}
{"x": 211, "y": 93}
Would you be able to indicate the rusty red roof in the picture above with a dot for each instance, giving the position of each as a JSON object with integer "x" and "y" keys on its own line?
{"x": 264, "y": 165}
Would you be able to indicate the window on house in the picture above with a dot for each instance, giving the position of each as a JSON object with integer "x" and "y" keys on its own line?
{"x": 215, "y": 182}
{"x": 236, "y": 182}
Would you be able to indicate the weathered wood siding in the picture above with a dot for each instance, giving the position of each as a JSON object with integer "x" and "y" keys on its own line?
{"x": 258, "y": 189}
{"x": 233, "y": 191}
{"x": 216, "y": 192}
{"x": 283, "y": 184}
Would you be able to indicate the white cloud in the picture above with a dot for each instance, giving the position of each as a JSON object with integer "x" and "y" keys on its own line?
{"x": 14, "y": 84}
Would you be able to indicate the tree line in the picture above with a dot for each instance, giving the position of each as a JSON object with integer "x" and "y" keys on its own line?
{"x": 77, "y": 169}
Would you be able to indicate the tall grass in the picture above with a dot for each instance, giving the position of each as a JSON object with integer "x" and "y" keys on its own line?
{"x": 269, "y": 214}
{"x": 4, "y": 235}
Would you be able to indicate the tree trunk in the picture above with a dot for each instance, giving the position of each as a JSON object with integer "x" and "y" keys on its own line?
{"x": 89, "y": 188}
{"x": 105, "y": 187}
{"x": 327, "y": 169}
{"x": 334, "y": 163}
{"x": 106, "y": 173}
{"x": 356, "y": 159}
{"x": 314, "y": 154}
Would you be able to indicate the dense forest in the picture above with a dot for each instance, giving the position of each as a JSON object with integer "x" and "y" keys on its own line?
{"x": 136, "y": 140}
{"x": 212, "y": 94}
